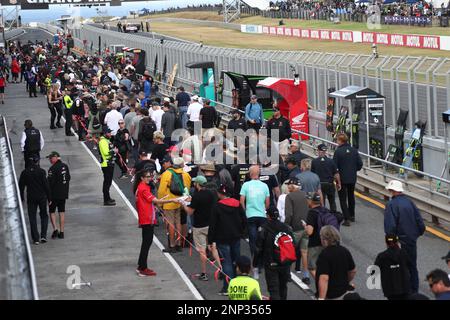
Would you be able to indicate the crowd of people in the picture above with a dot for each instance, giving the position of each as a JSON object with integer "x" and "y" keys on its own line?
{"x": 330, "y": 8}
{"x": 204, "y": 199}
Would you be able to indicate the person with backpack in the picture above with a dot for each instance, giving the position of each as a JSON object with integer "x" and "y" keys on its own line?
{"x": 275, "y": 250}
{"x": 174, "y": 183}
{"x": 335, "y": 267}
{"x": 147, "y": 128}
{"x": 318, "y": 216}
{"x": 394, "y": 270}
{"x": 95, "y": 126}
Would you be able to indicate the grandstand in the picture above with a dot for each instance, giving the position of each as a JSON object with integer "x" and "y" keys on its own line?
{"x": 258, "y": 4}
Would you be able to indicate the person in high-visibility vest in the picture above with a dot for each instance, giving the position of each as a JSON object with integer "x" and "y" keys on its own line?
{"x": 68, "y": 103}
{"x": 244, "y": 287}
{"x": 108, "y": 155}
{"x": 48, "y": 83}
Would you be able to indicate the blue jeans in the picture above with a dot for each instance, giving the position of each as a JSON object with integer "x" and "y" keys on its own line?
{"x": 411, "y": 251}
{"x": 183, "y": 116}
{"x": 253, "y": 225}
{"x": 229, "y": 252}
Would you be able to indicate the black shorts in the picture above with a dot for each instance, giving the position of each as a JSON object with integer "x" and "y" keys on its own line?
{"x": 58, "y": 203}
{"x": 2, "y": 89}
{"x": 183, "y": 217}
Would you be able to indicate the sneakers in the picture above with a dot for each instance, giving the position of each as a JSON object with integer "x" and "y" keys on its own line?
{"x": 69, "y": 134}
{"x": 203, "y": 277}
{"x": 170, "y": 250}
{"x": 352, "y": 219}
{"x": 123, "y": 176}
{"x": 145, "y": 272}
{"x": 61, "y": 235}
{"x": 52, "y": 127}
{"x": 346, "y": 223}
{"x": 109, "y": 203}
{"x": 55, "y": 234}
{"x": 59, "y": 125}
{"x": 306, "y": 281}
{"x": 223, "y": 293}
{"x": 43, "y": 240}
{"x": 36, "y": 242}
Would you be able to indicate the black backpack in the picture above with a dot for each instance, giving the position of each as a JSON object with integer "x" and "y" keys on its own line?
{"x": 95, "y": 122}
{"x": 148, "y": 129}
{"x": 178, "y": 122}
{"x": 176, "y": 183}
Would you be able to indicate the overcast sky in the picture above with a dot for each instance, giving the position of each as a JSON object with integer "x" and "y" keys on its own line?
{"x": 56, "y": 11}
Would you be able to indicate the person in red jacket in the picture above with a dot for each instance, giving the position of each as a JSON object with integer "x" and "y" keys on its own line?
{"x": 15, "y": 70}
{"x": 2, "y": 86}
{"x": 147, "y": 218}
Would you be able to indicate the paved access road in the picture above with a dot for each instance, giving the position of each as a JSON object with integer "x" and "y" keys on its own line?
{"x": 104, "y": 242}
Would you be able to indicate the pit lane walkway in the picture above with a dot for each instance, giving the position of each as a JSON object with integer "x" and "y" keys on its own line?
{"x": 103, "y": 242}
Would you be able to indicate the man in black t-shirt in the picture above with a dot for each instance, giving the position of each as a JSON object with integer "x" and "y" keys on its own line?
{"x": 335, "y": 267}
{"x": 239, "y": 174}
{"x": 274, "y": 187}
{"x": 208, "y": 115}
{"x": 182, "y": 102}
{"x": 200, "y": 208}
{"x": 312, "y": 229}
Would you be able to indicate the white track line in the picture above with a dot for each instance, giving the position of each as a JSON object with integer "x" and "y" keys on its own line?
{"x": 177, "y": 267}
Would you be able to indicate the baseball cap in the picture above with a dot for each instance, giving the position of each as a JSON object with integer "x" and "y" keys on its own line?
{"x": 447, "y": 257}
{"x": 313, "y": 196}
{"x": 208, "y": 167}
{"x": 166, "y": 99}
{"x": 53, "y": 154}
{"x": 253, "y": 96}
{"x": 273, "y": 212}
{"x": 322, "y": 147}
{"x": 178, "y": 162}
{"x": 391, "y": 238}
{"x": 166, "y": 158}
{"x": 294, "y": 181}
{"x": 395, "y": 185}
{"x": 106, "y": 129}
{"x": 201, "y": 180}
{"x": 195, "y": 97}
{"x": 234, "y": 111}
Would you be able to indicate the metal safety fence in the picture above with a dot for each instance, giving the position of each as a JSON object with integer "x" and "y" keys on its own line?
{"x": 420, "y": 85}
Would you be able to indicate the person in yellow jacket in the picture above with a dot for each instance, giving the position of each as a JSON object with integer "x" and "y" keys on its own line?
{"x": 107, "y": 153}
{"x": 68, "y": 103}
{"x": 47, "y": 83}
{"x": 244, "y": 287}
{"x": 172, "y": 211}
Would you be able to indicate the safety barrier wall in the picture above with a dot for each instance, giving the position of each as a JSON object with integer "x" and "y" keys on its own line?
{"x": 398, "y": 40}
{"x": 420, "y": 85}
{"x": 17, "y": 276}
